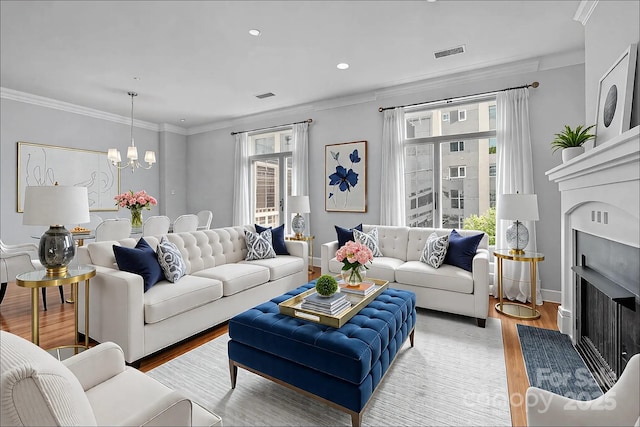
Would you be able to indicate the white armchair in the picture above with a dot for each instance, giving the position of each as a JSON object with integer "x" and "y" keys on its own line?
{"x": 619, "y": 406}
{"x": 16, "y": 259}
{"x": 94, "y": 387}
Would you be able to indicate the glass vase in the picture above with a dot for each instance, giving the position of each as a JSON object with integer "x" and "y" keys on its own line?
{"x": 136, "y": 218}
{"x": 354, "y": 276}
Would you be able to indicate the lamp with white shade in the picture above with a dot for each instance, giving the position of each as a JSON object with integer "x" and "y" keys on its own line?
{"x": 55, "y": 206}
{"x": 298, "y": 204}
{"x": 518, "y": 207}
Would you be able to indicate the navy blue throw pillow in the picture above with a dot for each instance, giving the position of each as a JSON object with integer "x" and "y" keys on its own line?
{"x": 462, "y": 250}
{"x": 346, "y": 234}
{"x": 277, "y": 238}
{"x": 141, "y": 260}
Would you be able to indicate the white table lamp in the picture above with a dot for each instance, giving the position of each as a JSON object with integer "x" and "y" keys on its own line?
{"x": 298, "y": 204}
{"x": 55, "y": 206}
{"x": 518, "y": 207}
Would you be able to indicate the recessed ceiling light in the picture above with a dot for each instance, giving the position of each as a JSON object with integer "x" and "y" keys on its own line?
{"x": 182, "y": 120}
{"x": 342, "y": 66}
{"x": 254, "y": 32}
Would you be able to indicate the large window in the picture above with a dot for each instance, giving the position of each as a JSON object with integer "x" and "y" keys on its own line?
{"x": 270, "y": 176}
{"x": 450, "y": 162}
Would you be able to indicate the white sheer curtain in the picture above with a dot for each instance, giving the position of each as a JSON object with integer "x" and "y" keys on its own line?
{"x": 514, "y": 174}
{"x": 242, "y": 210}
{"x": 392, "y": 194}
{"x": 300, "y": 166}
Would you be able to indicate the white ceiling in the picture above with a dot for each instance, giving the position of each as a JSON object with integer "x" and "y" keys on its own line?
{"x": 196, "y": 60}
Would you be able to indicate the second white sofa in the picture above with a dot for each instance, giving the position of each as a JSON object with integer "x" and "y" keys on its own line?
{"x": 447, "y": 288}
{"x": 219, "y": 284}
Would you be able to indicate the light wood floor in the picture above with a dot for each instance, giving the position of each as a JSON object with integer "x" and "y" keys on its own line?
{"x": 56, "y": 328}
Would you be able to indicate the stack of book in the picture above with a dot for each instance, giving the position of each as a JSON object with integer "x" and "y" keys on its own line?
{"x": 327, "y": 305}
{"x": 363, "y": 288}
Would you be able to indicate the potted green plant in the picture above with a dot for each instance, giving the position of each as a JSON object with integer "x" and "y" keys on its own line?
{"x": 570, "y": 141}
{"x": 326, "y": 285}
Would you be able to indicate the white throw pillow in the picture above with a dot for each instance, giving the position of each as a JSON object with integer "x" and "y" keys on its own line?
{"x": 171, "y": 260}
{"x": 435, "y": 250}
{"x": 259, "y": 245}
{"x": 369, "y": 239}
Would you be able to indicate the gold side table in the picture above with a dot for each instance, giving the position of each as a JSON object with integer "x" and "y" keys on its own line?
{"x": 515, "y": 309}
{"x": 309, "y": 240}
{"x": 39, "y": 279}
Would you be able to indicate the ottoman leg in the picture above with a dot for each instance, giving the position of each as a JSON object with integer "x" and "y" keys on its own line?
{"x": 411, "y": 336}
{"x": 356, "y": 419}
{"x": 233, "y": 372}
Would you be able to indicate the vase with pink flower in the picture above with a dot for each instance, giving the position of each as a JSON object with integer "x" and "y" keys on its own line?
{"x": 354, "y": 256}
{"x": 135, "y": 202}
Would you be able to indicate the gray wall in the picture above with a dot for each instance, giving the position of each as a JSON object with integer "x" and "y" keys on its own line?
{"x": 31, "y": 123}
{"x": 559, "y": 100}
{"x": 172, "y": 164}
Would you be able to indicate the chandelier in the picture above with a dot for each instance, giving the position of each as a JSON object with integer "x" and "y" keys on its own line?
{"x": 132, "y": 152}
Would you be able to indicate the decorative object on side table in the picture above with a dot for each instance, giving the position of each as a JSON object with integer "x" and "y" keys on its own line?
{"x": 298, "y": 204}
{"x": 518, "y": 207}
{"x": 326, "y": 285}
{"x": 571, "y": 141}
{"x": 135, "y": 202}
{"x": 354, "y": 256}
{"x": 55, "y": 206}
{"x": 615, "y": 94}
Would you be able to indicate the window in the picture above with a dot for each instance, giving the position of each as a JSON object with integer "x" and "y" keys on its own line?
{"x": 457, "y": 172}
{"x": 456, "y": 146}
{"x": 450, "y": 167}
{"x": 270, "y": 176}
{"x": 457, "y": 200}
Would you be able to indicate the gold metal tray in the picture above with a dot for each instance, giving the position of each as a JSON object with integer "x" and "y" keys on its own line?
{"x": 291, "y": 307}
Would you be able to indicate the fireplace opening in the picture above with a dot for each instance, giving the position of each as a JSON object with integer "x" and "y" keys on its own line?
{"x": 607, "y": 305}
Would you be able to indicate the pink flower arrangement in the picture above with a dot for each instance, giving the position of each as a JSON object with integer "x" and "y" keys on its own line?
{"x": 354, "y": 255}
{"x": 135, "y": 201}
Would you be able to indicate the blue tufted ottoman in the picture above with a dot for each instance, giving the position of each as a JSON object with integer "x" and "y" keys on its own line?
{"x": 341, "y": 367}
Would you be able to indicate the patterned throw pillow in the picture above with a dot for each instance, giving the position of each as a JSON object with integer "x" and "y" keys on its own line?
{"x": 259, "y": 245}
{"x": 435, "y": 250}
{"x": 170, "y": 260}
{"x": 369, "y": 239}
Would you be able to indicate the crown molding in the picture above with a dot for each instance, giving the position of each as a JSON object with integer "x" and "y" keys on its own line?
{"x": 584, "y": 11}
{"x": 42, "y": 101}
{"x": 460, "y": 78}
{"x": 168, "y": 127}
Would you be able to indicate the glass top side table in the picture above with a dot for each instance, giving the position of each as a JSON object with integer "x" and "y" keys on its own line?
{"x": 40, "y": 279}
{"x": 515, "y": 309}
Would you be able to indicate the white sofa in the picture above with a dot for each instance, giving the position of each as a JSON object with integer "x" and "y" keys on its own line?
{"x": 219, "y": 284}
{"x": 448, "y": 288}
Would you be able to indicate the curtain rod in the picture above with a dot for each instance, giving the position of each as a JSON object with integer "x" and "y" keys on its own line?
{"x": 273, "y": 127}
{"x": 533, "y": 85}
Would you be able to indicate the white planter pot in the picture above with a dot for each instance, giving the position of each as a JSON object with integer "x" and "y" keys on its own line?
{"x": 571, "y": 152}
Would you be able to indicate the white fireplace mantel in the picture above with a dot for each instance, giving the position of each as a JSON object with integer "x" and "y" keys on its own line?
{"x": 600, "y": 195}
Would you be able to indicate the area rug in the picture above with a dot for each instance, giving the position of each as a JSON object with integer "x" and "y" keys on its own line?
{"x": 454, "y": 375}
{"x": 553, "y": 364}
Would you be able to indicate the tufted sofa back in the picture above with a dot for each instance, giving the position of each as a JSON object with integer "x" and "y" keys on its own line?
{"x": 199, "y": 249}
{"x": 406, "y": 243}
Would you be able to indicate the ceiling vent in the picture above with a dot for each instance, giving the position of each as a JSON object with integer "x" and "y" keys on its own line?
{"x": 265, "y": 95}
{"x": 449, "y": 52}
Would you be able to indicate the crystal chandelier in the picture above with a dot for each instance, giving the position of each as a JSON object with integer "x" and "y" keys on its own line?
{"x": 132, "y": 152}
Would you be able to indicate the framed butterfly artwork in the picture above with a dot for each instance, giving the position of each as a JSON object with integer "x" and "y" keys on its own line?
{"x": 345, "y": 167}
